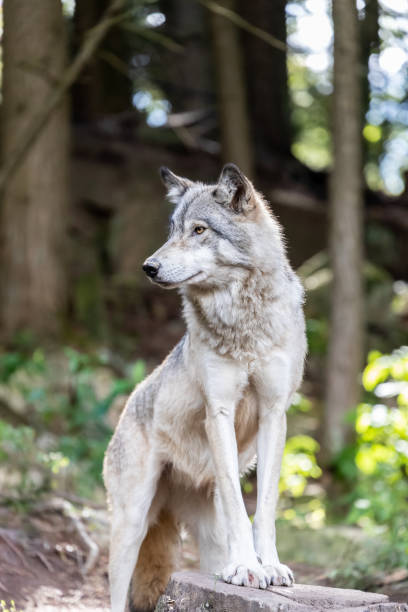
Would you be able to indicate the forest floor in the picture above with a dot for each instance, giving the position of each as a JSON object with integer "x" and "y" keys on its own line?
{"x": 42, "y": 553}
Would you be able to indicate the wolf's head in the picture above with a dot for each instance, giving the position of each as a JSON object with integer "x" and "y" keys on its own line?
{"x": 214, "y": 231}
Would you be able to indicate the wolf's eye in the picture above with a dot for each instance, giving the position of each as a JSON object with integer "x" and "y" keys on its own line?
{"x": 199, "y": 229}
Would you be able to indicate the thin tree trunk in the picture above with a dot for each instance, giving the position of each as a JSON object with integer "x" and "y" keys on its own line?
{"x": 35, "y": 198}
{"x": 231, "y": 89}
{"x": 345, "y": 238}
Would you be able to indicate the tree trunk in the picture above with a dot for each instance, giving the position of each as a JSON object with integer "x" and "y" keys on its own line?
{"x": 345, "y": 234}
{"x": 231, "y": 90}
{"x": 267, "y": 77}
{"x": 104, "y": 87}
{"x": 186, "y": 23}
{"x": 370, "y": 42}
{"x": 35, "y": 198}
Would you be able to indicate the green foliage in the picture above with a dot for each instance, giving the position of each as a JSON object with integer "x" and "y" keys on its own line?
{"x": 29, "y": 469}
{"x": 300, "y": 403}
{"x": 373, "y": 472}
{"x": 66, "y": 399}
{"x": 299, "y": 468}
{"x": 309, "y": 116}
{"x": 379, "y": 478}
{"x": 317, "y": 331}
{"x": 382, "y": 444}
{"x": 10, "y": 363}
{"x": 381, "y": 367}
{"x": 298, "y": 465}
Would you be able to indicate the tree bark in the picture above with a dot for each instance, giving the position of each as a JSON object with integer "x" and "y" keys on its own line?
{"x": 231, "y": 90}
{"x": 267, "y": 77}
{"x": 33, "y": 288}
{"x": 345, "y": 233}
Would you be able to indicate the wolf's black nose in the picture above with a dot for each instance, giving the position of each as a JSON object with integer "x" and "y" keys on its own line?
{"x": 151, "y": 267}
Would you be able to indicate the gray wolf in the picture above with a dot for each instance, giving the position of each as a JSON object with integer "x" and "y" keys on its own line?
{"x": 196, "y": 423}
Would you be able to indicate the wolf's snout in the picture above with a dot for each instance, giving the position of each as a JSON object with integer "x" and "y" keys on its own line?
{"x": 151, "y": 267}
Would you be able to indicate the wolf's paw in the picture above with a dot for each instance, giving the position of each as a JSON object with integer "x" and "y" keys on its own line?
{"x": 241, "y": 575}
{"x": 279, "y": 574}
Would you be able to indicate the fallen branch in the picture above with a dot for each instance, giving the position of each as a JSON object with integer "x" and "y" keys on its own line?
{"x": 92, "y": 546}
{"x": 92, "y": 40}
{"x": 398, "y": 575}
{"x": 68, "y": 510}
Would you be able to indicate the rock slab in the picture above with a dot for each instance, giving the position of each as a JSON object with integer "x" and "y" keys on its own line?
{"x": 196, "y": 592}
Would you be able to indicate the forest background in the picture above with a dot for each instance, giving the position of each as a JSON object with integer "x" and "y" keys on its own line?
{"x": 311, "y": 101}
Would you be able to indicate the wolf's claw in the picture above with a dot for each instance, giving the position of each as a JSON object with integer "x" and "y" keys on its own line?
{"x": 279, "y": 575}
{"x": 241, "y": 575}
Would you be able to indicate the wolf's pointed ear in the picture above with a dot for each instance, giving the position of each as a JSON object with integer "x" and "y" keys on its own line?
{"x": 176, "y": 185}
{"x": 234, "y": 190}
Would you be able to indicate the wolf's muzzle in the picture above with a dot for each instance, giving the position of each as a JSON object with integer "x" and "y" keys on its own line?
{"x": 151, "y": 267}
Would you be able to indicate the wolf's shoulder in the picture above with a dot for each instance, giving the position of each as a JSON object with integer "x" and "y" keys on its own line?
{"x": 142, "y": 399}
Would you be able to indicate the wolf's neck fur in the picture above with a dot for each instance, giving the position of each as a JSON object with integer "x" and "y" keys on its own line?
{"x": 246, "y": 318}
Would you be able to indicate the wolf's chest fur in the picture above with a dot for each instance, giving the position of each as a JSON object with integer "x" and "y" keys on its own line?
{"x": 243, "y": 320}
{"x": 186, "y": 448}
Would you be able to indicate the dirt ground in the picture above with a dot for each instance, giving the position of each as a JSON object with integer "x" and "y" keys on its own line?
{"x": 42, "y": 553}
{"x": 41, "y": 556}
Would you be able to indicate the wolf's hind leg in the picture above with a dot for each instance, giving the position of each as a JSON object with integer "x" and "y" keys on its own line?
{"x": 131, "y": 499}
{"x": 158, "y": 558}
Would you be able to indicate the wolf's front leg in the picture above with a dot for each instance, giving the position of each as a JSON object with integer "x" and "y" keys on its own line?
{"x": 271, "y": 442}
{"x": 270, "y": 446}
{"x": 222, "y": 382}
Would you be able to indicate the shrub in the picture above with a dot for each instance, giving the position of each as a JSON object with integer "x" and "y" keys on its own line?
{"x": 65, "y": 403}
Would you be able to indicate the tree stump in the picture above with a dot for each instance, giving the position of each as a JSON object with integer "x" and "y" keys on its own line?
{"x": 196, "y": 592}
